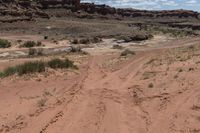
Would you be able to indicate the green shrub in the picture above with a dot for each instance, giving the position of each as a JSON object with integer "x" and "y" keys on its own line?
{"x": 58, "y": 63}
{"x": 1, "y": 74}
{"x": 26, "y": 68}
{"x": 4, "y": 43}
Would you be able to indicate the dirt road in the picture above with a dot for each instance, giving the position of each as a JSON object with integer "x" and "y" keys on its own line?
{"x": 108, "y": 95}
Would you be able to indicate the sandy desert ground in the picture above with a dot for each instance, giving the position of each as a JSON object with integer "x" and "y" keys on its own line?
{"x": 154, "y": 91}
{"x": 134, "y": 71}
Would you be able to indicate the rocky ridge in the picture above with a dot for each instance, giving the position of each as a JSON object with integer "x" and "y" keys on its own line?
{"x": 19, "y": 10}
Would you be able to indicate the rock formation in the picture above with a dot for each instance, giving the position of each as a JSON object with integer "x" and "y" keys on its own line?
{"x": 19, "y": 10}
{"x": 62, "y": 3}
{"x": 36, "y": 8}
{"x": 104, "y": 10}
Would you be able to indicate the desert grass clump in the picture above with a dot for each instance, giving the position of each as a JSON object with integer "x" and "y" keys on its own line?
{"x": 37, "y": 67}
{"x": 58, "y": 63}
{"x": 31, "y": 67}
{"x": 41, "y": 102}
{"x": 4, "y": 43}
{"x": 26, "y": 68}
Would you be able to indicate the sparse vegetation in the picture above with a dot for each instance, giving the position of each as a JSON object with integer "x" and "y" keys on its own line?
{"x": 47, "y": 93}
{"x": 35, "y": 52}
{"x": 151, "y": 85}
{"x": 75, "y": 41}
{"x": 117, "y": 47}
{"x": 46, "y": 37}
{"x": 151, "y": 61}
{"x": 31, "y": 51}
{"x": 96, "y": 40}
{"x": 77, "y": 49}
{"x": 175, "y": 32}
{"x": 148, "y": 75}
{"x": 58, "y": 63}
{"x": 180, "y": 70}
{"x": 26, "y": 68}
{"x": 30, "y": 67}
{"x": 9, "y": 71}
{"x": 86, "y": 40}
{"x": 42, "y": 102}
{"x": 39, "y": 52}
{"x": 30, "y": 44}
{"x": 19, "y": 41}
{"x": 127, "y": 52}
{"x": 191, "y": 69}
{"x": 37, "y": 67}
{"x": 175, "y": 76}
{"x": 135, "y": 37}
{"x": 4, "y": 43}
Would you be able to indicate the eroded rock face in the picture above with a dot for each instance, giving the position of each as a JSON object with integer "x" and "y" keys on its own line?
{"x": 104, "y": 10}
{"x": 19, "y": 10}
{"x": 100, "y": 9}
{"x": 47, "y": 3}
{"x": 35, "y": 8}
